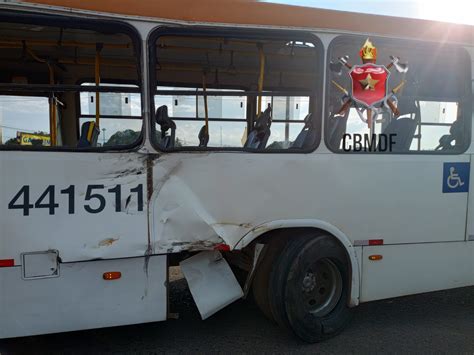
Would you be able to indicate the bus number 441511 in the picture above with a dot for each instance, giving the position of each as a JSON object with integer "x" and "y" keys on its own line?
{"x": 94, "y": 200}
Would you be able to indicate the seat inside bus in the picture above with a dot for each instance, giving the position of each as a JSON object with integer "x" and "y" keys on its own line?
{"x": 454, "y": 139}
{"x": 203, "y": 136}
{"x": 89, "y": 135}
{"x": 50, "y": 68}
{"x": 308, "y": 135}
{"x": 166, "y": 123}
{"x": 403, "y": 127}
{"x": 258, "y": 136}
{"x": 232, "y": 91}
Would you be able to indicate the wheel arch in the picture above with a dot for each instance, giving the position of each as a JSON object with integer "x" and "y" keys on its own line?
{"x": 269, "y": 228}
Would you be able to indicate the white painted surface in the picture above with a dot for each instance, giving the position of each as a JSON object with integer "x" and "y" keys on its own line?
{"x": 414, "y": 268}
{"x": 470, "y": 211}
{"x": 203, "y": 199}
{"x": 397, "y": 198}
{"x": 81, "y": 299}
{"x": 81, "y": 235}
{"x": 211, "y": 282}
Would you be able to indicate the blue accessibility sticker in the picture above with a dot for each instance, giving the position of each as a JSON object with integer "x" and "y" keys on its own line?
{"x": 456, "y": 177}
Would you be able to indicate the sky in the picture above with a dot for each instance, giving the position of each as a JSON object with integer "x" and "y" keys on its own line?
{"x": 457, "y": 11}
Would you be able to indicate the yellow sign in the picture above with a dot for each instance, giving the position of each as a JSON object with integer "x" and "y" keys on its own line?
{"x": 34, "y": 139}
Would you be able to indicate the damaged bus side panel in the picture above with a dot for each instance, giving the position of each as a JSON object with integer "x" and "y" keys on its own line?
{"x": 239, "y": 175}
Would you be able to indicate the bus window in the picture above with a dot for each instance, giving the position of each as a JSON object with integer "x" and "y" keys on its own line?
{"x": 234, "y": 92}
{"x": 120, "y": 115}
{"x": 227, "y": 114}
{"x": 288, "y": 119}
{"x": 421, "y": 104}
{"x": 42, "y": 104}
{"x": 24, "y": 120}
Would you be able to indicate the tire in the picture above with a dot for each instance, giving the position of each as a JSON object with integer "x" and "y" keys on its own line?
{"x": 260, "y": 283}
{"x": 309, "y": 288}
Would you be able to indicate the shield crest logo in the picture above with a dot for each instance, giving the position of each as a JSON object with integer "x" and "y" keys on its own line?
{"x": 369, "y": 83}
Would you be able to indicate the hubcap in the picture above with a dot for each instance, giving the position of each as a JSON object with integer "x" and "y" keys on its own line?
{"x": 321, "y": 287}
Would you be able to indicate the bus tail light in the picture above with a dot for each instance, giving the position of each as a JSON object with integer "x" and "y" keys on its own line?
{"x": 112, "y": 275}
{"x": 367, "y": 242}
{"x": 7, "y": 262}
{"x": 222, "y": 247}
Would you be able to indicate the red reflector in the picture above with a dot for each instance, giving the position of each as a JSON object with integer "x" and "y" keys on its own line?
{"x": 222, "y": 247}
{"x": 7, "y": 262}
{"x": 375, "y": 241}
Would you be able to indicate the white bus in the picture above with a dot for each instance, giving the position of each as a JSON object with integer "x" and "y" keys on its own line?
{"x": 239, "y": 143}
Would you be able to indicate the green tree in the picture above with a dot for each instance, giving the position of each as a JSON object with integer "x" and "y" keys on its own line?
{"x": 12, "y": 141}
{"x": 125, "y": 137}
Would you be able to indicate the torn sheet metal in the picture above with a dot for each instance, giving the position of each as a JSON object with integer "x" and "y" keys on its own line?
{"x": 258, "y": 254}
{"x": 211, "y": 282}
{"x": 181, "y": 221}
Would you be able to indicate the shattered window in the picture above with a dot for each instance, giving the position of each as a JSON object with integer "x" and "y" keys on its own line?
{"x": 234, "y": 92}
{"x": 42, "y": 101}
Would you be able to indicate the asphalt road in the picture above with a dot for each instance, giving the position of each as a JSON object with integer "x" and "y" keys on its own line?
{"x": 441, "y": 322}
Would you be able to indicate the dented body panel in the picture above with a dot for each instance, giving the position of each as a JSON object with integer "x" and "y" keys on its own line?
{"x": 201, "y": 200}
{"x": 195, "y": 201}
{"x": 234, "y": 197}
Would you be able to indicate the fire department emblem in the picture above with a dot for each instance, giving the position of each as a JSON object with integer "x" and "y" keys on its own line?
{"x": 369, "y": 93}
{"x": 369, "y": 83}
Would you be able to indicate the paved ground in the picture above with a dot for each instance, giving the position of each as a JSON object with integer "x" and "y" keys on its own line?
{"x": 441, "y": 322}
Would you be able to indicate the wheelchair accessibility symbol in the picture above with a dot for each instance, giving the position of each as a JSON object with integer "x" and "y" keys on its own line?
{"x": 456, "y": 177}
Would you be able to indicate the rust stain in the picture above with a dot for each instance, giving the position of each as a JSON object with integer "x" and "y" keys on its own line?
{"x": 198, "y": 245}
{"x": 107, "y": 242}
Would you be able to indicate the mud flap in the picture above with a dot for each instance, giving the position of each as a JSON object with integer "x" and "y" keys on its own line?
{"x": 211, "y": 282}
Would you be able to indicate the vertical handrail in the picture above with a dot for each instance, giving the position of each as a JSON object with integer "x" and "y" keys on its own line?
{"x": 261, "y": 77}
{"x": 52, "y": 100}
{"x": 52, "y": 109}
{"x": 97, "y": 83}
{"x": 206, "y": 112}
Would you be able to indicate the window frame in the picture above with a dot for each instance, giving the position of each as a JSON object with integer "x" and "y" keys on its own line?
{"x": 467, "y": 104}
{"x": 253, "y": 34}
{"x": 109, "y": 83}
{"x": 75, "y": 22}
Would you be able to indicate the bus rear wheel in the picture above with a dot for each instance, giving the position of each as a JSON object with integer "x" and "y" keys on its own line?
{"x": 309, "y": 286}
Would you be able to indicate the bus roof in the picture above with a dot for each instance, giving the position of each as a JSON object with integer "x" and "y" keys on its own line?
{"x": 252, "y": 12}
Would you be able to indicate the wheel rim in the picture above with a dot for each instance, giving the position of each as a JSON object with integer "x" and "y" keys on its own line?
{"x": 321, "y": 287}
